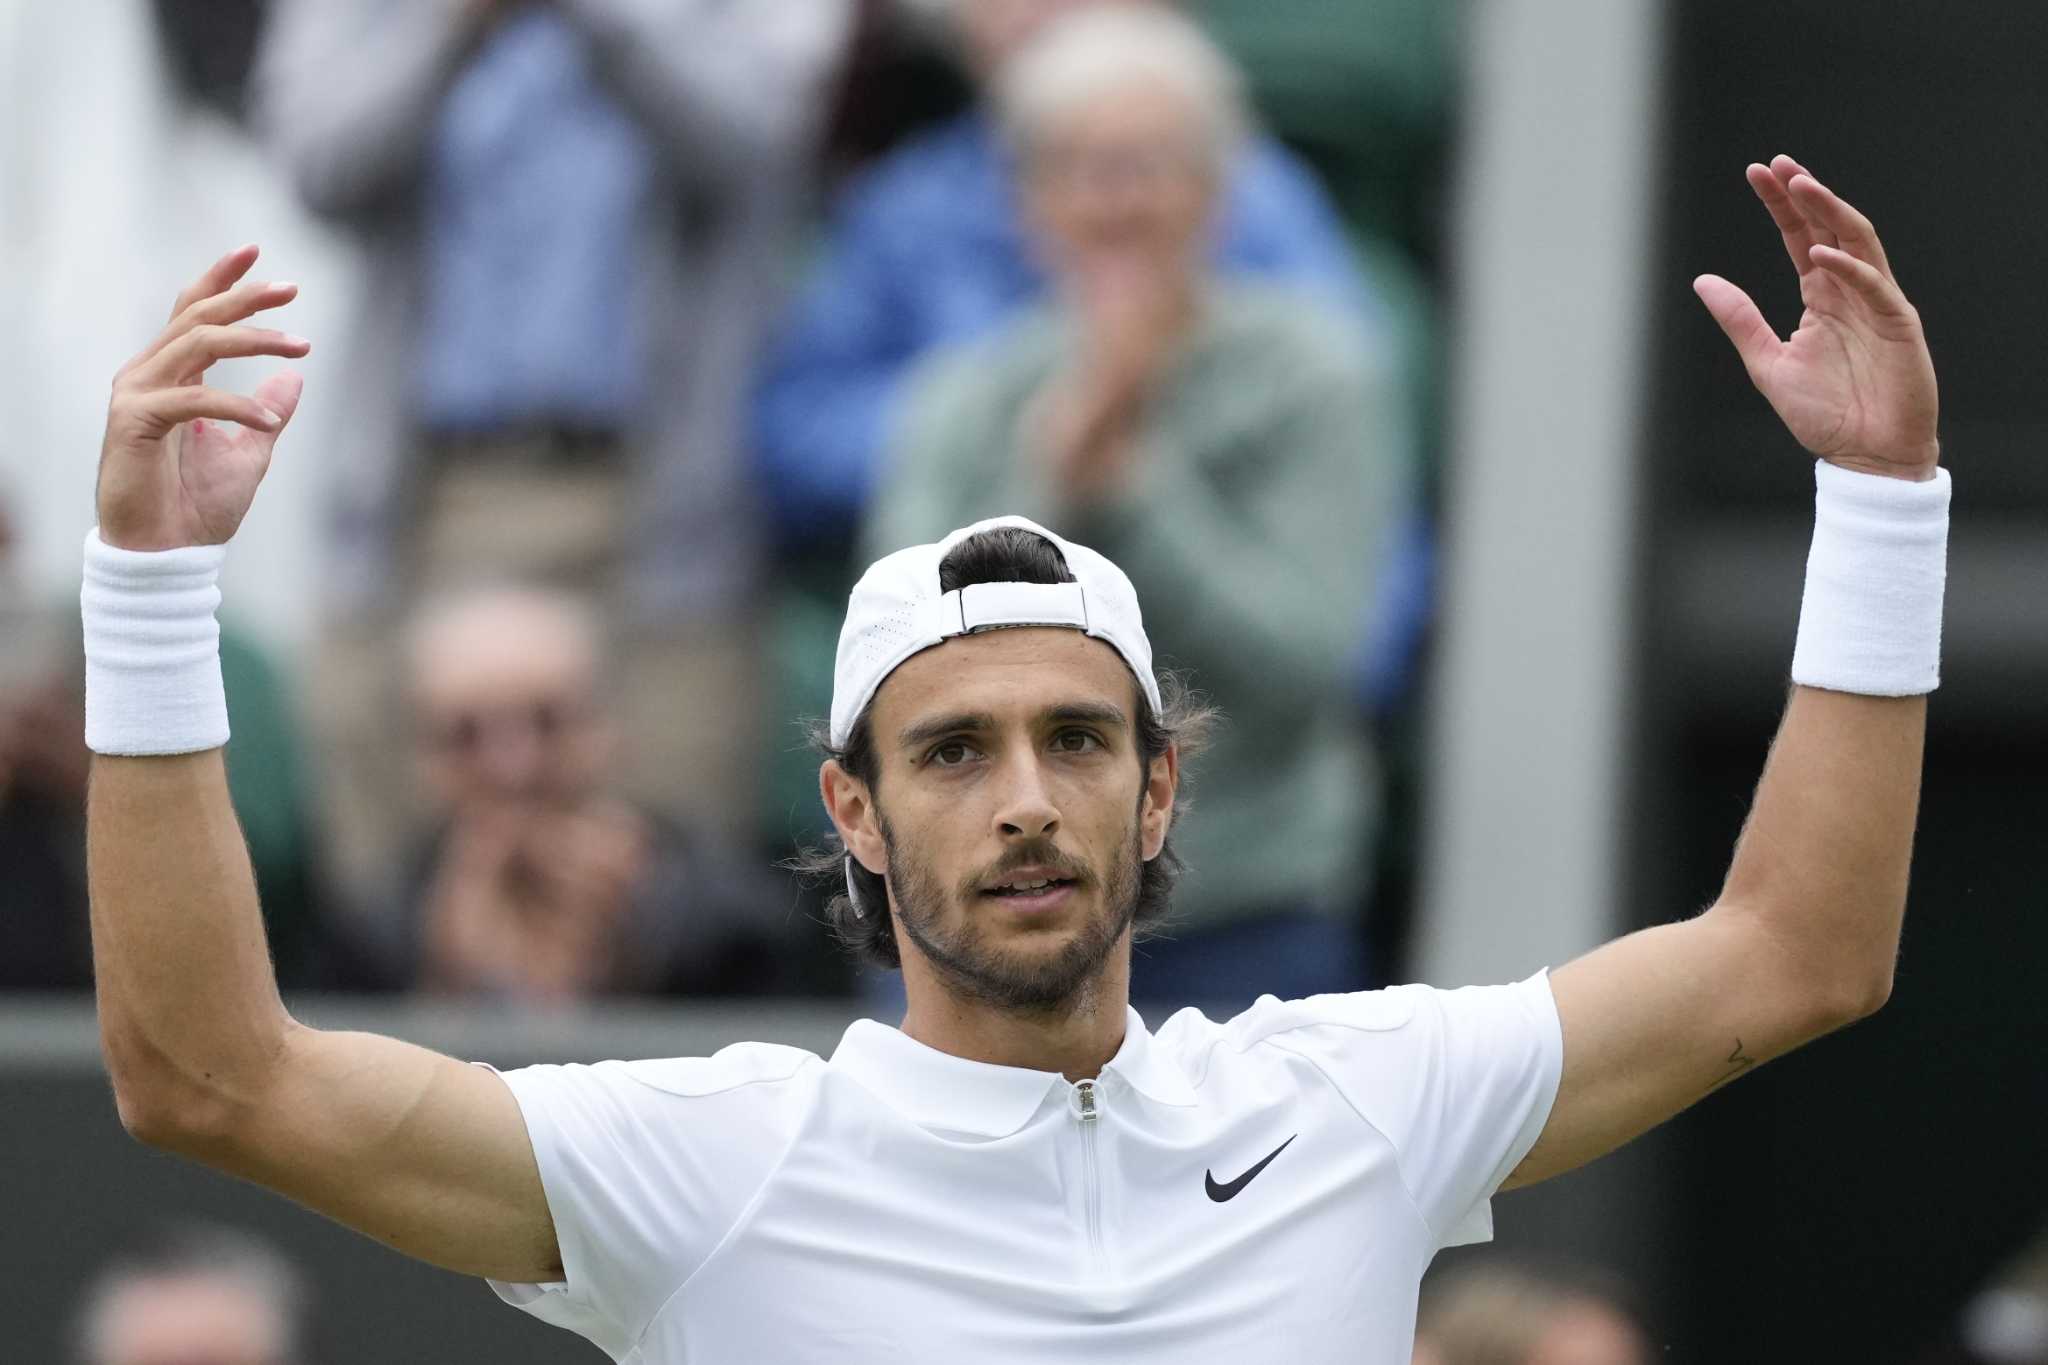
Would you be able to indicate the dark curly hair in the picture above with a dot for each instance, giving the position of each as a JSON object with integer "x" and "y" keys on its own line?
{"x": 1005, "y": 554}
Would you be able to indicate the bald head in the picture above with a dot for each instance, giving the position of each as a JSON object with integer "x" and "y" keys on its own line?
{"x": 463, "y": 644}
{"x": 177, "y": 1320}
{"x": 196, "y": 1294}
{"x": 1503, "y": 1314}
{"x": 506, "y": 685}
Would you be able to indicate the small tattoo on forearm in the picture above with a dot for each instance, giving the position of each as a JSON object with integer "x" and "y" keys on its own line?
{"x": 1738, "y": 1062}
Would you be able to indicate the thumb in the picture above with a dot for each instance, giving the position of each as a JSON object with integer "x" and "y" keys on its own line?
{"x": 280, "y": 393}
{"x": 1741, "y": 323}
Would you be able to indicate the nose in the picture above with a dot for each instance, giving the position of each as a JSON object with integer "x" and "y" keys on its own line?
{"x": 1026, "y": 810}
{"x": 509, "y": 762}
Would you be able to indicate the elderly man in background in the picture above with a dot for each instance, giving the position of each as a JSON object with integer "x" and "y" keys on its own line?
{"x": 199, "y": 1295}
{"x": 573, "y": 215}
{"x": 539, "y": 882}
{"x": 1236, "y": 446}
{"x": 1498, "y": 1313}
{"x": 930, "y": 248}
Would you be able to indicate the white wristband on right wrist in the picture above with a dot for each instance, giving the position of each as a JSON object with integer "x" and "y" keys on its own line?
{"x": 1871, "y": 618}
{"x": 152, "y": 649}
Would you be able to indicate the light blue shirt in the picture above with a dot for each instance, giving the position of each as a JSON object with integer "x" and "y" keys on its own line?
{"x": 537, "y": 180}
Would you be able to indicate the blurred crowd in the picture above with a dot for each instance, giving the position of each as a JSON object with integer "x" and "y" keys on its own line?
{"x": 667, "y": 319}
{"x": 208, "y": 1292}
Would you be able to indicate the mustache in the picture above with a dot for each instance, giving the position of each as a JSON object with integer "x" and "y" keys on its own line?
{"x": 1039, "y": 853}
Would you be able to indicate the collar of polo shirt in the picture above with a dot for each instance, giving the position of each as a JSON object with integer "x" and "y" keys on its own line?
{"x": 937, "y": 1090}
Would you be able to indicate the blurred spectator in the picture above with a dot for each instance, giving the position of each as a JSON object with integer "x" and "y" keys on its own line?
{"x": 119, "y": 113}
{"x": 1234, "y": 446}
{"x": 573, "y": 214}
{"x": 42, "y": 792}
{"x": 539, "y": 882}
{"x": 929, "y": 249}
{"x": 43, "y": 768}
{"x": 2006, "y": 1323}
{"x": 201, "y": 1295}
{"x": 1499, "y": 1314}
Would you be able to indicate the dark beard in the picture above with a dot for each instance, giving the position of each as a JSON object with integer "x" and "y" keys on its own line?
{"x": 1025, "y": 984}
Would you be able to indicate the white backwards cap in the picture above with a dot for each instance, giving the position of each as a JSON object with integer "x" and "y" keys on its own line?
{"x": 896, "y": 610}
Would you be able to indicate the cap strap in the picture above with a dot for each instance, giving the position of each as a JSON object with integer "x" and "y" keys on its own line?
{"x": 986, "y": 606}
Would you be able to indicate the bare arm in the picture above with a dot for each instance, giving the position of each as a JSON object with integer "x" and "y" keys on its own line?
{"x": 420, "y": 1151}
{"x": 729, "y": 91}
{"x": 348, "y": 91}
{"x": 1804, "y": 934}
{"x": 1800, "y": 942}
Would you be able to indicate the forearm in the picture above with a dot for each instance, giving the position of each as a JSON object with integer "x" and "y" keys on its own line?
{"x": 350, "y": 98}
{"x": 190, "y": 1017}
{"x": 1822, "y": 862}
{"x": 729, "y": 91}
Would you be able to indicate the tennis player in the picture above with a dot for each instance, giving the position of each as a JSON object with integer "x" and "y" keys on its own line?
{"x": 1021, "y": 1171}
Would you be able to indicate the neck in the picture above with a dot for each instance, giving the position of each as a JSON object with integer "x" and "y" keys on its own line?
{"x": 1076, "y": 1038}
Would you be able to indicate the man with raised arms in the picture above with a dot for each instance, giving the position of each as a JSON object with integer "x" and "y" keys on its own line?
{"x": 1021, "y": 1171}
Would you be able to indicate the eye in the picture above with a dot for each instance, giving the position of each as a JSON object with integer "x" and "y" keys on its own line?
{"x": 951, "y": 754}
{"x": 1076, "y": 742}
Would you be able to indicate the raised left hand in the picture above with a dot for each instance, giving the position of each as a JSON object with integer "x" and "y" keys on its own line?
{"x": 1854, "y": 383}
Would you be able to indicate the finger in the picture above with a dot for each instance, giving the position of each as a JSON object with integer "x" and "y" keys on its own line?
{"x": 187, "y": 356}
{"x": 1785, "y": 167}
{"x": 1740, "y": 321}
{"x": 161, "y": 409}
{"x": 1793, "y": 227}
{"x": 243, "y": 301}
{"x": 1785, "y": 170}
{"x": 1851, "y": 231}
{"x": 221, "y": 274}
{"x": 1876, "y": 289}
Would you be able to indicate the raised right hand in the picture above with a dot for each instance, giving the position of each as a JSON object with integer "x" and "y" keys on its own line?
{"x": 170, "y": 477}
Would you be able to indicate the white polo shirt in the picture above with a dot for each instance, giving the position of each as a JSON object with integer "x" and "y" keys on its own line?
{"x": 1270, "y": 1188}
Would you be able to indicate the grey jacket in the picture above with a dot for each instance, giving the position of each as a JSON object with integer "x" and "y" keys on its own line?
{"x": 731, "y": 93}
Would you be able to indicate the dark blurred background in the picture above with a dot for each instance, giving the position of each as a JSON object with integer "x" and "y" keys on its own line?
{"x": 1845, "y": 1203}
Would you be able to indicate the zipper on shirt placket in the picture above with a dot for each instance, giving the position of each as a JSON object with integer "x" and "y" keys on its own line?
{"x": 1086, "y": 1104}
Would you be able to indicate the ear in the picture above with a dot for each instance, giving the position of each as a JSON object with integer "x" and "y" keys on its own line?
{"x": 852, "y": 808}
{"x": 1155, "y": 814}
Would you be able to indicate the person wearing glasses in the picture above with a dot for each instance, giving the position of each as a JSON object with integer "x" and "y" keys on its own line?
{"x": 536, "y": 880}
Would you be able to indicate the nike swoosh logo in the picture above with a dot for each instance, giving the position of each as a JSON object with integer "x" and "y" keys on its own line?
{"x": 1220, "y": 1193}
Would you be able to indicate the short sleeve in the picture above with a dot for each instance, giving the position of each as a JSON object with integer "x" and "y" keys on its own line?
{"x": 646, "y": 1167}
{"x": 1460, "y": 1082}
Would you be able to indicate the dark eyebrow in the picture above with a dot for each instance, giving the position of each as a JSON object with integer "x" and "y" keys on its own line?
{"x": 964, "y": 722}
{"x": 980, "y": 722}
{"x": 1088, "y": 713}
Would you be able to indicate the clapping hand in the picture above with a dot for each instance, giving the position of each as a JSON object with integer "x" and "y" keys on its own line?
{"x": 1854, "y": 384}
{"x": 1131, "y": 315}
{"x": 534, "y": 903}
